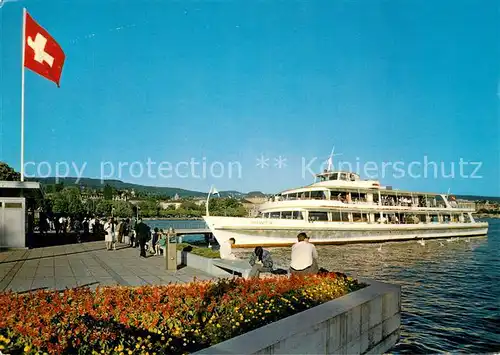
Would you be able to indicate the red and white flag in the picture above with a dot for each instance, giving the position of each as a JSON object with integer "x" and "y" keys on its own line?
{"x": 42, "y": 54}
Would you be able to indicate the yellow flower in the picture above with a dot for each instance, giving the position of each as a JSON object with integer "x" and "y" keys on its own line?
{"x": 27, "y": 348}
{"x": 2, "y": 347}
{"x": 218, "y": 325}
{"x": 6, "y": 340}
{"x": 130, "y": 352}
{"x": 137, "y": 346}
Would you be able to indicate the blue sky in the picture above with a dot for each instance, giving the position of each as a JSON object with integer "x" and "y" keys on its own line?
{"x": 383, "y": 81}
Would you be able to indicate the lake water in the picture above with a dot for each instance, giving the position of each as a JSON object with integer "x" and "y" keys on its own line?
{"x": 450, "y": 292}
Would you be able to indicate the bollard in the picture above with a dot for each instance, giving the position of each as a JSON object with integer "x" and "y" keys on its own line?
{"x": 171, "y": 255}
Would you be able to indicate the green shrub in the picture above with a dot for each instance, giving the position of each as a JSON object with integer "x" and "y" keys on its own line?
{"x": 200, "y": 251}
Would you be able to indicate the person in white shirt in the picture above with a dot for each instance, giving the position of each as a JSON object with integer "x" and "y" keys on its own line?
{"x": 226, "y": 250}
{"x": 110, "y": 238}
{"x": 304, "y": 257}
{"x": 91, "y": 225}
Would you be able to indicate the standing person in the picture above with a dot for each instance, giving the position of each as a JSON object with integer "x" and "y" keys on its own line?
{"x": 132, "y": 234}
{"x": 77, "y": 226}
{"x": 109, "y": 228}
{"x": 142, "y": 235}
{"x": 91, "y": 225}
{"x": 304, "y": 257}
{"x": 126, "y": 238}
{"x": 85, "y": 226}
{"x": 119, "y": 231}
{"x": 226, "y": 250}
{"x": 155, "y": 239}
{"x": 261, "y": 261}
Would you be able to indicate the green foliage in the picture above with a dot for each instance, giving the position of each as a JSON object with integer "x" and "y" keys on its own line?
{"x": 149, "y": 208}
{"x": 108, "y": 192}
{"x": 68, "y": 201}
{"x": 123, "y": 209}
{"x": 7, "y": 173}
{"x": 71, "y": 200}
{"x": 205, "y": 252}
{"x": 104, "y": 208}
{"x": 226, "y": 207}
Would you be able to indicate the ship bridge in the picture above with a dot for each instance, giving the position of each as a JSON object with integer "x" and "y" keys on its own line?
{"x": 345, "y": 179}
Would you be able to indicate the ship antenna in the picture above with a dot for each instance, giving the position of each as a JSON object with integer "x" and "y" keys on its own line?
{"x": 330, "y": 160}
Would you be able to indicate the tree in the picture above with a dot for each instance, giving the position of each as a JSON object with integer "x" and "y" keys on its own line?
{"x": 7, "y": 173}
{"x": 108, "y": 192}
{"x": 123, "y": 209}
{"x": 59, "y": 203}
{"x": 103, "y": 208}
{"x": 75, "y": 205}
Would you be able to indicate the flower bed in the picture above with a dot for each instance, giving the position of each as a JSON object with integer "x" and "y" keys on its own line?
{"x": 178, "y": 318}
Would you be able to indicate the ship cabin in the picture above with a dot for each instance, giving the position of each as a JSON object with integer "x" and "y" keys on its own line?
{"x": 337, "y": 176}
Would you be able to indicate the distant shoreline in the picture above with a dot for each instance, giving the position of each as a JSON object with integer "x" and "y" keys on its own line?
{"x": 485, "y": 215}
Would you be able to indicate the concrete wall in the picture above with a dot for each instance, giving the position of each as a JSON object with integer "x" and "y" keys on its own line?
{"x": 363, "y": 322}
{"x": 200, "y": 263}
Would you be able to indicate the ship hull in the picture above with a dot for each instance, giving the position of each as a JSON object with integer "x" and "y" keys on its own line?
{"x": 252, "y": 232}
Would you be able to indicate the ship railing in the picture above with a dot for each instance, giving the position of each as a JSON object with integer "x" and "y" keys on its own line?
{"x": 468, "y": 205}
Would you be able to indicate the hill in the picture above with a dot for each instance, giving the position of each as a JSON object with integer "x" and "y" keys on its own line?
{"x": 120, "y": 185}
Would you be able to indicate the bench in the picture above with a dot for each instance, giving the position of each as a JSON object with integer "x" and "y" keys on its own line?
{"x": 234, "y": 267}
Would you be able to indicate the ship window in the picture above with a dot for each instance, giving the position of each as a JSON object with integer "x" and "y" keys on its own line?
{"x": 297, "y": 215}
{"x": 317, "y": 195}
{"x": 358, "y": 217}
{"x": 286, "y": 215}
{"x": 337, "y": 216}
{"x": 467, "y": 218}
{"x": 318, "y": 216}
{"x": 434, "y": 218}
{"x": 275, "y": 215}
{"x": 446, "y": 218}
{"x": 334, "y": 176}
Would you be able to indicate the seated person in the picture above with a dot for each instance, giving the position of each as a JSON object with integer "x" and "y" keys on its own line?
{"x": 225, "y": 250}
{"x": 261, "y": 261}
{"x": 162, "y": 242}
{"x": 304, "y": 257}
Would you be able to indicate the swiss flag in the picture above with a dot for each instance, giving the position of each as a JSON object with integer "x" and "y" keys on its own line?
{"x": 42, "y": 53}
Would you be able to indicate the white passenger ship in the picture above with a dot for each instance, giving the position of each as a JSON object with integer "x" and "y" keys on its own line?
{"x": 341, "y": 208}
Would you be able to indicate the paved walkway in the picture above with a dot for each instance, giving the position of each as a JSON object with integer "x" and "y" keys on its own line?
{"x": 68, "y": 266}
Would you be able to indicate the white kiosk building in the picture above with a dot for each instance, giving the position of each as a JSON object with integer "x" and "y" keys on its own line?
{"x": 18, "y": 202}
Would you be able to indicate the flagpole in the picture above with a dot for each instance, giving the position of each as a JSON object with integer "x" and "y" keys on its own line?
{"x": 22, "y": 93}
{"x": 208, "y": 198}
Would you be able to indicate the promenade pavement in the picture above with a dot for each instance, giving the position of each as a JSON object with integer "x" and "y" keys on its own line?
{"x": 86, "y": 264}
